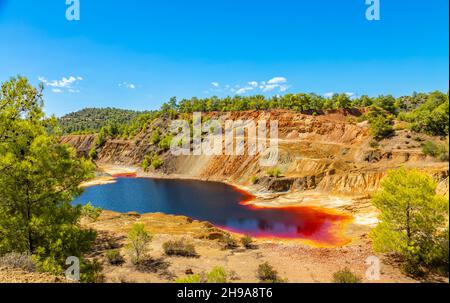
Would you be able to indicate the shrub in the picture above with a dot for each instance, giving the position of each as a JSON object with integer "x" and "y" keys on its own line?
{"x": 91, "y": 272}
{"x": 93, "y": 153}
{"x": 155, "y": 137}
{"x": 179, "y": 248}
{"x": 114, "y": 257}
{"x": 374, "y": 144}
{"x": 380, "y": 126}
{"x": 138, "y": 240}
{"x": 18, "y": 260}
{"x": 254, "y": 180}
{"x": 345, "y": 276}
{"x": 165, "y": 143}
{"x": 439, "y": 152}
{"x": 156, "y": 162}
{"x": 190, "y": 279}
{"x": 217, "y": 275}
{"x": 229, "y": 242}
{"x": 90, "y": 212}
{"x": 412, "y": 219}
{"x": 274, "y": 172}
{"x": 247, "y": 242}
{"x": 151, "y": 265}
{"x": 267, "y": 274}
{"x": 146, "y": 163}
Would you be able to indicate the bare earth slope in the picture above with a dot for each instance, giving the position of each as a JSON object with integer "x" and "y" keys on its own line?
{"x": 329, "y": 153}
{"x": 327, "y": 161}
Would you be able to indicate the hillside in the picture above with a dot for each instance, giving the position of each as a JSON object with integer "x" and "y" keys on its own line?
{"x": 325, "y": 160}
{"x": 91, "y": 120}
{"x": 330, "y": 153}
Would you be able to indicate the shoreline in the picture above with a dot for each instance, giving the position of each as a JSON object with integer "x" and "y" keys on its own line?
{"x": 344, "y": 231}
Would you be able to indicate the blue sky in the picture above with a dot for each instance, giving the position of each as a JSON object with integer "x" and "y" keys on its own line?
{"x": 137, "y": 54}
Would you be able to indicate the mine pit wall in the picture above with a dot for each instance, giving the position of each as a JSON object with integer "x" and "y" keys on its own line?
{"x": 328, "y": 153}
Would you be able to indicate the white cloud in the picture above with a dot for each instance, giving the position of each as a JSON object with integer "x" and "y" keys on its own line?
{"x": 66, "y": 83}
{"x": 253, "y": 84}
{"x": 284, "y": 88}
{"x": 244, "y": 90}
{"x": 276, "y": 84}
{"x": 268, "y": 87}
{"x": 277, "y": 80}
{"x": 127, "y": 85}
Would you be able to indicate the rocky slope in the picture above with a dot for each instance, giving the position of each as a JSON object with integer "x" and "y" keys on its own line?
{"x": 329, "y": 153}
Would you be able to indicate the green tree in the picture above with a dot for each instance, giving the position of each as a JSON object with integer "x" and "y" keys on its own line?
{"x": 380, "y": 123}
{"x": 38, "y": 181}
{"x": 138, "y": 239}
{"x": 412, "y": 217}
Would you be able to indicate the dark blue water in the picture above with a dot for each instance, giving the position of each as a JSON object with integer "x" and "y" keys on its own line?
{"x": 214, "y": 202}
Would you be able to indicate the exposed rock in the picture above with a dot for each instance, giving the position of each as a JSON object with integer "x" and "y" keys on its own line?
{"x": 326, "y": 152}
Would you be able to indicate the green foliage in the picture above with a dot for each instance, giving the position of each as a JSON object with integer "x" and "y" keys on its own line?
{"x": 387, "y": 103}
{"x": 190, "y": 279}
{"x": 155, "y": 137}
{"x": 380, "y": 123}
{"x": 229, "y": 242}
{"x": 146, "y": 163}
{"x": 274, "y": 172}
{"x": 217, "y": 275}
{"x": 247, "y": 242}
{"x": 114, "y": 257}
{"x": 345, "y": 276}
{"x": 179, "y": 248}
{"x": 431, "y": 117}
{"x": 93, "y": 153}
{"x": 254, "y": 180}
{"x": 91, "y": 120}
{"x": 374, "y": 144}
{"x": 426, "y": 113}
{"x": 439, "y": 152}
{"x": 39, "y": 179}
{"x": 90, "y": 212}
{"x": 138, "y": 239}
{"x": 91, "y": 272}
{"x": 152, "y": 161}
{"x": 267, "y": 274}
{"x": 164, "y": 144}
{"x": 156, "y": 162}
{"x": 412, "y": 218}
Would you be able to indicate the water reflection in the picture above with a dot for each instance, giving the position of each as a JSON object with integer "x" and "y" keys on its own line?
{"x": 213, "y": 202}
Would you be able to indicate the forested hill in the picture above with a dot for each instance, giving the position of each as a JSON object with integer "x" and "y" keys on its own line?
{"x": 91, "y": 120}
{"x": 421, "y": 112}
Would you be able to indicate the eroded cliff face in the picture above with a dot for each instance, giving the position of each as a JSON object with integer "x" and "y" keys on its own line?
{"x": 328, "y": 153}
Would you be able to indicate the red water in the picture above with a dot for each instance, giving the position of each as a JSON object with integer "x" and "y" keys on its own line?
{"x": 226, "y": 207}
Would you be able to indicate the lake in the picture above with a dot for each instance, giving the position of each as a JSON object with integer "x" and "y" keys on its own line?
{"x": 218, "y": 203}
